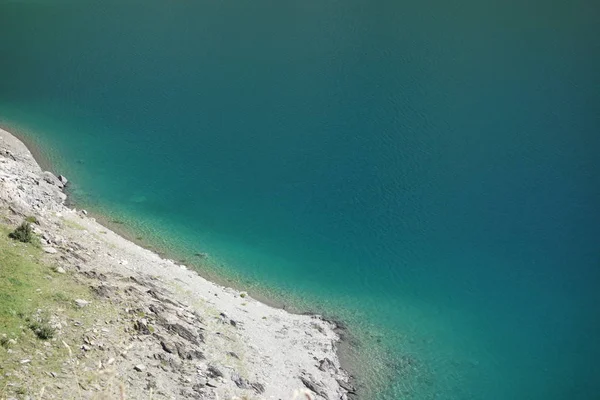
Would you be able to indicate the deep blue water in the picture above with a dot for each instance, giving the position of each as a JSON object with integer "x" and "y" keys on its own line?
{"x": 428, "y": 172}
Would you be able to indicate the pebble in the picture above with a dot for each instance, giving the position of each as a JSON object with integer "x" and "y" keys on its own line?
{"x": 60, "y": 270}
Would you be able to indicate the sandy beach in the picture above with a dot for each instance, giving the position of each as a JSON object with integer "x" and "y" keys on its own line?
{"x": 181, "y": 336}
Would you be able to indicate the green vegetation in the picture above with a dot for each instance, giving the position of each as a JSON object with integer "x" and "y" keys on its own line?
{"x": 73, "y": 224}
{"x": 42, "y": 329}
{"x": 23, "y": 233}
{"x": 32, "y": 220}
{"x": 27, "y": 285}
{"x": 32, "y": 297}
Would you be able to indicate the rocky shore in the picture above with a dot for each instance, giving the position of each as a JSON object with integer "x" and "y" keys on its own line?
{"x": 148, "y": 327}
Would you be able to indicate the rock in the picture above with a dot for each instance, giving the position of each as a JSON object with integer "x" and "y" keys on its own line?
{"x": 185, "y": 333}
{"x": 81, "y": 303}
{"x": 196, "y": 354}
{"x": 103, "y": 291}
{"x": 198, "y": 388}
{"x": 314, "y": 386}
{"x": 346, "y": 386}
{"x": 85, "y": 347}
{"x": 202, "y": 381}
{"x": 140, "y": 367}
{"x": 182, "y": 351}
{"x": 50, "y": 178}
{"x": 168, "y": 347}
{"x": 258, "y": 387}
{"x": 141, "y": 325}
{"x": 60, "y": 270}
{"x": 63, "y": 180}
{"x": 239, "y": 381}
{"x": 8, "y": 154}
{"x": 214, "y": 371}
{"x": 327, "y": 365}
{"x": 212, "y": 383}
{"x": 84, "y": 212}
{"x": 50, "y": 250}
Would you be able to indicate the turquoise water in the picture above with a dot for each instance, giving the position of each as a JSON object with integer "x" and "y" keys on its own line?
{"x": 426, "y": 171}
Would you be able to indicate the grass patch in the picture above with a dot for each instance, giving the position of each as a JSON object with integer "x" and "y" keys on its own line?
{"x": 33, "y": 302}
{"x": 73, "y": 224}
{"x": 61, "y": 297}
{"x": 23, "y": 308}
{"x": 32, "y": 220}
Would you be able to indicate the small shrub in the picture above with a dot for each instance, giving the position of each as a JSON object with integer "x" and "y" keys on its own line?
{"x": 4, "y": 342}
{"x": 242, "y": 295}
{"x": 23, "y": 233}
{"x": 42, "y": 330}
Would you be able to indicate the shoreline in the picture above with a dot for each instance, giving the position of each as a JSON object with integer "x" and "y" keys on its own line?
{"x": 344, "y": 368}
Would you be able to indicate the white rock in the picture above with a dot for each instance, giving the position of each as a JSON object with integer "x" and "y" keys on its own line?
{"x": 60, "y": 270}
{"x": 140, "y": 367}
{"x": 81, "y": 303}
{"x": 50, "y": 250}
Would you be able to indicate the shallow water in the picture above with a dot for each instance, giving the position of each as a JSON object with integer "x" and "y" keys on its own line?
{"x": 426, "y": 171}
